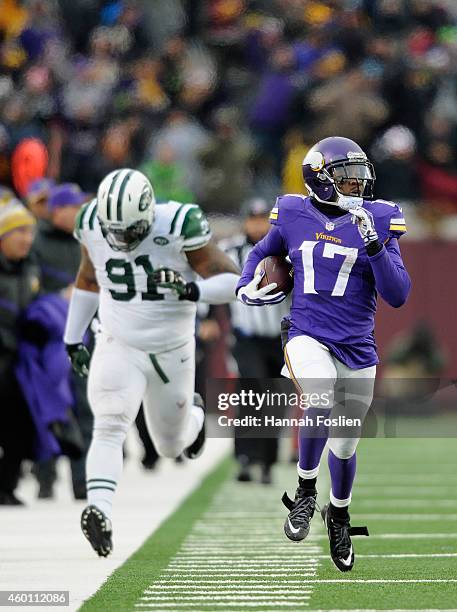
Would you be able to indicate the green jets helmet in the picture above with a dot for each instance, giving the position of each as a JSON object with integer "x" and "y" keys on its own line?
{"x": 125, "y": 208}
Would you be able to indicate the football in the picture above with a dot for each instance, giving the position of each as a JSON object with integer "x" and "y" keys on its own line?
{"x": 277, "y": 270}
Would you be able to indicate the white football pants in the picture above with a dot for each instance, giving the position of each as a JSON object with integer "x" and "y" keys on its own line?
{"x": 316, "y": 371}
{"x": 120, "y": 378}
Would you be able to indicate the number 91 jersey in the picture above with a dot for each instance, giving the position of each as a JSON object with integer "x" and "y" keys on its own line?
{"x": 334, "y": 295}
{"x": 132, "y": 308}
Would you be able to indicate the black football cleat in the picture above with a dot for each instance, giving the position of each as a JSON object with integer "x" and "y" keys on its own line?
{"x": 96, "y": 526}
{"x": 196, "y": 448}
{"x": 339, "y": 534}
{"x": 301, "y": 512}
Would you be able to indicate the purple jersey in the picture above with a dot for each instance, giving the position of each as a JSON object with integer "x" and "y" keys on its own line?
{"x": 335, "y": 281}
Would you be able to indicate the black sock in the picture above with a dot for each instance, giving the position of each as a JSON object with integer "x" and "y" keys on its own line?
{"x": 308, "y": 484}
{"x": 339, "y": 512}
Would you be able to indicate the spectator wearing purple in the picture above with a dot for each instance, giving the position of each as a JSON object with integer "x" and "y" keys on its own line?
{"x": 58, "y": 255}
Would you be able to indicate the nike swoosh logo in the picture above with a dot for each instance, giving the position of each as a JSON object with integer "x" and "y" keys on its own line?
{"x": 184, "y": 359}
{"x": 292, "y": 528}
{"x": 347, "y": 561}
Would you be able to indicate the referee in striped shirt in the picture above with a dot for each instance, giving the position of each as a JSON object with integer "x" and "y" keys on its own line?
{"x": 257, "y": 348}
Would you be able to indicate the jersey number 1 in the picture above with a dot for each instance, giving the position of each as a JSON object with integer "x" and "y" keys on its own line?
{"x": 330, "y": 250}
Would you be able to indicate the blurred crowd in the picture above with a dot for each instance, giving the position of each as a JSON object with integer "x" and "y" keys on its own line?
{"x": 217, "y": 102}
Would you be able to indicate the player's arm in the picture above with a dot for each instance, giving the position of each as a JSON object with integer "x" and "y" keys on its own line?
{"x": 392, "y": 280}
{"x": 391, "y": 277}
{"x": 83, "y": 306}
{"x": 271, "y": 244}
{"x": 218, "y": 272}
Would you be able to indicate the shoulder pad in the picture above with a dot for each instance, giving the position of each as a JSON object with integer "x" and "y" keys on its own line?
{"x": 389, "y": 218}
{"x": 192, "y": 225}
{"x": 286, "y": 208}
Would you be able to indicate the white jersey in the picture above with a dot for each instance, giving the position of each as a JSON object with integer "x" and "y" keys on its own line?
{"x": 132, "y": 308}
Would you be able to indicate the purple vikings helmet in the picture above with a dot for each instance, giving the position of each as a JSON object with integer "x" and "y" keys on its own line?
{"x": 332, "y": 161}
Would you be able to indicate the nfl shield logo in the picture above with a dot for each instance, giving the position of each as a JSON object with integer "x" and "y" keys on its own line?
{"x": 329, "y": 226}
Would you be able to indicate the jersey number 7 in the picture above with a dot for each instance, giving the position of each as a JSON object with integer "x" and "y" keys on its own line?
{"x": 330, "y": 250}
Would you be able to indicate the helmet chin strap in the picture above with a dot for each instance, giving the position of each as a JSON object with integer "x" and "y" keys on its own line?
{"x": 343, "y": 202}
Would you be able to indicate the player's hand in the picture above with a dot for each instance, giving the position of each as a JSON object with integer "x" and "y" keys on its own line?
{"x": 365, "y": 224}
{"x": 253, "y": 296}
{"x": 80, "y": 358}
{"x": 349, "y": 203}
{"x": 169, "y": 279}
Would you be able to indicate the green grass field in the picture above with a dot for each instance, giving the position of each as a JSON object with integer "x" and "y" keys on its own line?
{"x": 224, "y": 549}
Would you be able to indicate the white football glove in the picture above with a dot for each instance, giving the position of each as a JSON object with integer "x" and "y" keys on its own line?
{"x": 349, "y": 203}
{"x": 365, "y": 223}
{"x": 251, "y": 295}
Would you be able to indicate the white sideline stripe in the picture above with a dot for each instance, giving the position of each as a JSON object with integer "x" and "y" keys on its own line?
{"x": 226, "y": 581}
{"x": 244, "y": 604}
{"x": 381, "y": 536}
{"x": 382, "y": 580}
{"x": 274, "y": 562}
{"x": 408, "y": 478}
{"x": 271, "y": 590}
{"x": 400, "y": 489}
{"x": 416, "y": 503}
{"x": 251, "y": 572}
{"x": 388, "y": 610}
{"x": 388, "y": 516}
{"x": 404, "y": 517}
{"x": 231, "y": 596}
{"x": 270, "y": 563}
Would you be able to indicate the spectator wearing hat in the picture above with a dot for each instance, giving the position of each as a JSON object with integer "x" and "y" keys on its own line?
{"x": 37, "y": 197}
{"x": 257, "y": 348}
{"x": 58, "y": 255}
{"x": 19, "y": 284}
{"x": 56, "y": 249}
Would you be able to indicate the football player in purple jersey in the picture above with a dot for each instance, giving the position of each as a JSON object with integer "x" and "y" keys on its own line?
{"x": 343, "y": 246}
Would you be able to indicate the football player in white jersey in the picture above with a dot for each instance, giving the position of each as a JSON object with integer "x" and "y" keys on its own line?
{"x": 143, "y": 267}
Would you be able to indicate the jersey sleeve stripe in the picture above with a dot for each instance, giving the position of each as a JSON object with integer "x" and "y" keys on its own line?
{"x": 197, "y": 241}
{"x": 273, "y": 215}
{"x": 173, "y": 222}
{"x": 397, "y": 228}
{"x": 400, "y": 221}
{"x": 194, "y": 247}
{"x": 181, "y": 215}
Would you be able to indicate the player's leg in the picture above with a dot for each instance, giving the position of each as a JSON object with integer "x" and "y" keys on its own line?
{"x": 115, "y": 388}
{"x": 357, "y": 387}
{"x": 311, "y": 366}
{"x": 174, "y": 414}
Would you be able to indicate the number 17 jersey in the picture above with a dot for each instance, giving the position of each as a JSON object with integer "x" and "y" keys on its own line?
{"x": 334, "y": 293}
{"x": 132, "y": 308}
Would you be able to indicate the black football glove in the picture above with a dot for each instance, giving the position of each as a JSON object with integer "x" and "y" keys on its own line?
{"x": 80, "y": 358}
{"x": 169, "y": 279}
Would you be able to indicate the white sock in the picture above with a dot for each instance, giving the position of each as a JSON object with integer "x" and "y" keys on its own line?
{"x": 104, "y": 468}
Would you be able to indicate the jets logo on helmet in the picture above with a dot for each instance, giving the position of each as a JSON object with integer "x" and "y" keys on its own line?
{"x": 125, "y": 208}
